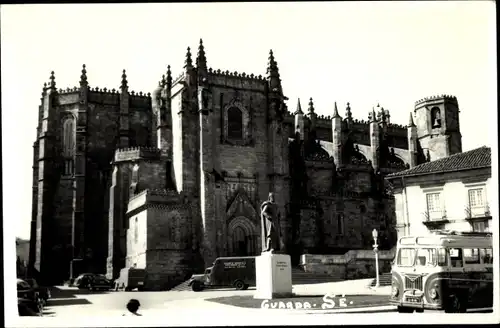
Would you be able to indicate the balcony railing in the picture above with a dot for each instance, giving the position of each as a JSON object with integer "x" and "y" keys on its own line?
{"x": 472, "y": 212}
{"x": 435, "y": 216}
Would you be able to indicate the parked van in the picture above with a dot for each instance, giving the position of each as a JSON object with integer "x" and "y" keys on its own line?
{"x": 237, "y": 272}
{"x": 130, "y": 278}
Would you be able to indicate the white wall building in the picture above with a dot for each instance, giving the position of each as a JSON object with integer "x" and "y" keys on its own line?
{"x": 452, "y": 193}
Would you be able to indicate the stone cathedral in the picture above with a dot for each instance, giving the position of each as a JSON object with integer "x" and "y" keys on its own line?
{"x": 171, "y": 180}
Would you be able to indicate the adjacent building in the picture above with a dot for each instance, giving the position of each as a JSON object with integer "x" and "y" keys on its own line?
{"x": 451, "y": 193}
{"x": 171, "y": 180}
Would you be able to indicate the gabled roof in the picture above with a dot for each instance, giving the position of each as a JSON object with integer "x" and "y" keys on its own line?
{"x": 472, "y": 159}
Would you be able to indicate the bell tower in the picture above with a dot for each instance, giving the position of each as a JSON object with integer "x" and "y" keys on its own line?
{"x": 438, "y": 126}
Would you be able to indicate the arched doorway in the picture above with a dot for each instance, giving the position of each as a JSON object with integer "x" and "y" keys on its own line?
{"x": 242, "y": 237}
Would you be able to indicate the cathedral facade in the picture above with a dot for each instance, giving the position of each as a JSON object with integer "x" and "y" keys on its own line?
{"x": 171, "y": 180}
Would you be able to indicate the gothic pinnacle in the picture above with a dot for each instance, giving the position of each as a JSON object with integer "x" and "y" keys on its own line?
{"x": 374, "y": 116}
{"x": 169, "y": 77}
{"x": 83, "y": 77}
{"x": 201, "y": 60}
{"x": 299, "y": 108}
{"x": 311, "y": 106}
{"x": 188, "y": 63}
{"x": 124, "y": 81}
{"x": 52, "y": 83}
{"x": 348, "y": 111}
{"x": 411, "y": 123}
{"x": 163, "y": 81}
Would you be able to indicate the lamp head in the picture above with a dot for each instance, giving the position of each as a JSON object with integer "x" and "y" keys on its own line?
{"x": 375, "y": 233}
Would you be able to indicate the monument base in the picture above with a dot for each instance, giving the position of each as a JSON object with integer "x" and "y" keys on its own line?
{"x": 273, "y": 276}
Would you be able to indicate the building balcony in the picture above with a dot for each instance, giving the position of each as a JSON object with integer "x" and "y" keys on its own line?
{"x": 434, "y": 219}
{"x": 475, "y": 213}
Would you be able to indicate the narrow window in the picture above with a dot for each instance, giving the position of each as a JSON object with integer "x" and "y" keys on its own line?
{"x": 136, "y": 231}
{"x": 234, "y": 123}
{"x": 68, "y": 146}
{"x": 340, "y": 224}
{"x": 436, "y": 117}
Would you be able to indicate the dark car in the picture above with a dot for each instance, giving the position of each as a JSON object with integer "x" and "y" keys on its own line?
{"x": 43, "y": 292}
{"x": 28, "y": 298}
{"x": 99, "y": 282}
{"x": 25, "y": 308}
{"x": 83, "y": 280}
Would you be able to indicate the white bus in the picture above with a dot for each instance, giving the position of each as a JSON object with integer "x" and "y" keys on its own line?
{"x": 446, "y": 270}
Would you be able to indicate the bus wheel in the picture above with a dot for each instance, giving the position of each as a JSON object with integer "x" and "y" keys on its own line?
{"x": 197, "y": 286}
{"x": 403, "y": 309}
{"x": 239, "y": 285}
{"x": 419, "y": 310}
{"x": 456, "y": 304}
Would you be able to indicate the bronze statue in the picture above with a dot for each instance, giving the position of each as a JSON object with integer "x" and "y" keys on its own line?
{"x": 270, "y": 227}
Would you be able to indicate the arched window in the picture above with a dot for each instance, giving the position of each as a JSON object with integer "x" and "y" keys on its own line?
{"x": 68, "y": 145}
{"x": 436, "y": 117}
{"x": 234, "y": 123}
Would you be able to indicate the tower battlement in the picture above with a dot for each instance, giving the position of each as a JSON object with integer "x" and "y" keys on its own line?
{"x": 436, "y": 97}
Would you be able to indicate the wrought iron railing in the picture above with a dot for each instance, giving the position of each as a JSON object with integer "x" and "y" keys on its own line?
{"x": 477, "y": 211}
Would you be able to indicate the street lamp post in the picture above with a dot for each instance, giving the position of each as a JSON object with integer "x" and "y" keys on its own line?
{"x": 375, "y": 249}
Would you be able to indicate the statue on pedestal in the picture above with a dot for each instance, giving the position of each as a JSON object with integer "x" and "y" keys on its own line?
{"x": 270, "y": 225}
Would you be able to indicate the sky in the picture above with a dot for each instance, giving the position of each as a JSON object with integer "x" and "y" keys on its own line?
{"x": 365, "y": 53}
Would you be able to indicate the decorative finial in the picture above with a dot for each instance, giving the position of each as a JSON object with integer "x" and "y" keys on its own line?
{"x": 299, "y": 108}
{"x": 273, "y": 75}
{"x": 163, "y": 81}
{"x": 188, "y": 63}
{"x": 124, "y": 81}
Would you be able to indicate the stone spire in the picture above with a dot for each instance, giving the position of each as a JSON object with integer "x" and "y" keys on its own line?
{"x": 299, "y": 108}
{"x": 124, "y": 86}
{"x": 201, "y": 60}
{"x": 410, "y": 122}
{"x": 335, "y": 111}
{"x": 83, "y": 77}
{"x": 188, "y": 62}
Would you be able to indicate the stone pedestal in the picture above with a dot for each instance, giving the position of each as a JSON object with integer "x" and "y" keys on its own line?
{"x": 273, "y": 276}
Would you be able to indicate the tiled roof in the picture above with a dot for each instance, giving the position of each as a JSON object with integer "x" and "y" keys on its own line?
{"x": 472, "y": 159}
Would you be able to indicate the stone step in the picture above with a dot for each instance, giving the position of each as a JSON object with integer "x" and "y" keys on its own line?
{"x": 385, "y": 279}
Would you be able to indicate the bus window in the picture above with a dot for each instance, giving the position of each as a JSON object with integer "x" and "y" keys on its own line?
{"x": 406, "y": 257}
{"x": 471, "y": 255}
{"x": 456, "y": 257}
{"x": 487, "y": 255}
{"x": 426, "y": 257}
{"x": 441, "y": 257}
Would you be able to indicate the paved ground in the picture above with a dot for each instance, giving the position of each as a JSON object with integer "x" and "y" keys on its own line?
{"x": 71, "y": 302}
